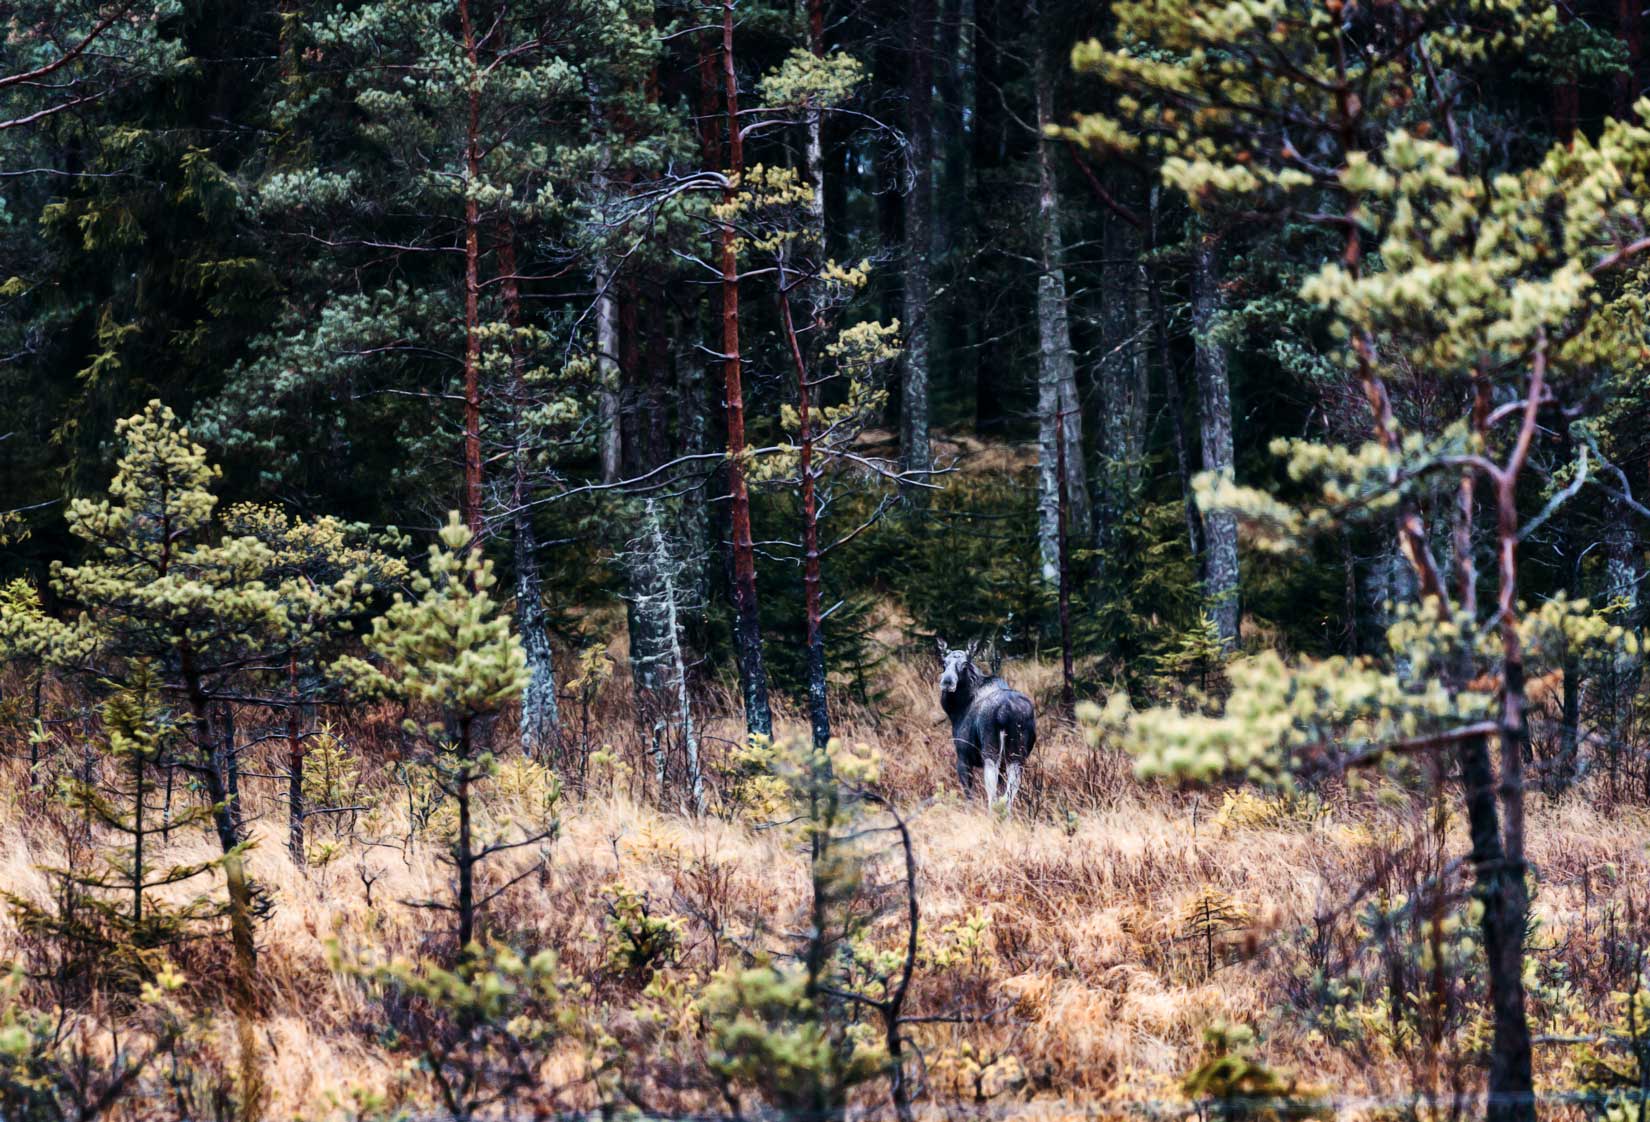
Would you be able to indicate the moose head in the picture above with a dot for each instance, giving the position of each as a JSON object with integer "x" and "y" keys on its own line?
{"x": 956, "y": 666}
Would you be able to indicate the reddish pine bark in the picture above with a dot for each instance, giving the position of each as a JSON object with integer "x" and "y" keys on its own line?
{"x": 472, "y": 284}
{"x": 748, "y": 626}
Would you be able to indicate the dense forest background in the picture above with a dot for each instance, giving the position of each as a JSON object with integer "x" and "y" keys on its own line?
{"x": 258, "y": 216}
{"x": 481, "y": 483}
{"x": 268, "y": 219}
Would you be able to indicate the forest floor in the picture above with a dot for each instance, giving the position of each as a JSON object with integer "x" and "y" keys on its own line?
{"x": 1112, "y": 922}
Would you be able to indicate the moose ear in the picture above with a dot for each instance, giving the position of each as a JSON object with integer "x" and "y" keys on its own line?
{"x": 944, "y": 647}
{"x": 973, "y": 649}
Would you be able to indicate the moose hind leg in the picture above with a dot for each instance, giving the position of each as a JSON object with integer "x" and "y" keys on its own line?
{"x": 1012, "y": 785}
{"x": 993, "y": 763}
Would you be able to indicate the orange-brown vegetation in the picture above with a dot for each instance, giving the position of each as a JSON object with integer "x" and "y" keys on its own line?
{"x": 1062, "y": 961}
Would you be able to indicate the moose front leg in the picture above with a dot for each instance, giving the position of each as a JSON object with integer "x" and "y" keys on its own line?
{"x": 965, "y": 777}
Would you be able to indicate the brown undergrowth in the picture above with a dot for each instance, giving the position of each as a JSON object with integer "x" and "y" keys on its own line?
{"x": 1072, "y": 953}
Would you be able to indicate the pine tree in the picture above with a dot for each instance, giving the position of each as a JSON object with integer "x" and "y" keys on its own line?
{"x": 111, "y": 931}
{"x": 450, "y": 655}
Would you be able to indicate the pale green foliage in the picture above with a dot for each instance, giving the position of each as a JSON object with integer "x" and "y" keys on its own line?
{"x": 860, "y": 353}
{"x": 1359, "y": 1010}
{"x": 749, "y": 786}
{"x": 165, "y": 578}
{"x": 53, "y": 1063}
{"x": 635, "y": 942}
{"x": 1197, "y": 653}
{"x": 1280, "y": 718}
{"x": 484, "y": 1031}
{"x": 1617, "y": 1063}
{"x": 1210, "y": 915}
{"x": 1235, "y": 1083}
{"x": 809, "y": 80}
{"x": 332, "y": 772}
{"x": 1475, "y": 276}
{"x": 762, "y": 202}
{"x": 451, "y": 649}
{"x": 1475, "y": 269}
{"x": 960, "y": 945}
{"x": 767, "y": 1033}
{"x": 524, "y": 789}
{"x": 782, "y": 1028}
{"x": 24, "y": 629}
{"x": 1205, "y": 87}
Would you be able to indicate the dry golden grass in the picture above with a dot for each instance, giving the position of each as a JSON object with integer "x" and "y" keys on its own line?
{"x": 1096, "y": 992}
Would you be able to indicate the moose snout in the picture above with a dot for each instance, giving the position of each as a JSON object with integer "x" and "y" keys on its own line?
{"x": 948, "y": 683}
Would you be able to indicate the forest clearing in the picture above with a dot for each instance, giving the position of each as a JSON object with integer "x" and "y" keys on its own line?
{"x": 824, "y": 560}
{"x": 1088, "y": 942}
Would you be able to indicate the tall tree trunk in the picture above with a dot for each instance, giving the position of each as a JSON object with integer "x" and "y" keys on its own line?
{"x": 1505, "y": 895}
{"x": 1502, "y": 927}
{"x": 694, "y": 439}
{"x": 951, "y": 78}
{"x": 915, "y": 451}
{"x": 1057, "y": 401}
{"x": 1123, "y": 372}
{"x": 229, "y": 757}
{"x": 294, "y": 764}
{"x": 663, "y": 604}
{"x": 701, "y": 547}
{"x": 464, "y": 858}
{"x": 819, "y": 717}
{"x": 947, "y": 235}
{"x": 753, "y": 674}
{"x": 819, "y": 714}
{"x": 472, "y": 283}
{"x": 1220, "y": 554}
{"x": 648, "y": 618}
{"x": 816, "y": 136}
{"x": 986, "y": 152}
{"x": 1173, "y": 401}
{"x": 1622, "y": 561}
{"x": 1630, "y": 81}
{"x": 540, "y": 715}
{"x": 1068, "y": 691}
{"x": 1566, "y": 91}
{"x": 1497, "y": 854}
{"x": 608, "y": 418}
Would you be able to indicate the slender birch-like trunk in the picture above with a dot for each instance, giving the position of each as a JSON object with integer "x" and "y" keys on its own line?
{"x": 540, "y": 714}
{"x": 1057, "y": 402}
{"x": 916, "y": 454}
{"x": 1214, "y": 395}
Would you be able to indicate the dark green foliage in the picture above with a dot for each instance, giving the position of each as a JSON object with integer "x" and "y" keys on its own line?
{"x": 967, "y": 567}
{"x": 853, "y": 612}
{"x": 128, "y": 273}
{"x": 1145, "y": 592}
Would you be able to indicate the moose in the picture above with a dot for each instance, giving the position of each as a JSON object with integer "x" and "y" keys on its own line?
{"x": 993, "y": 727}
